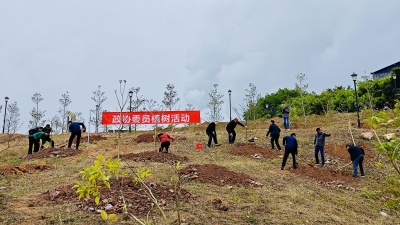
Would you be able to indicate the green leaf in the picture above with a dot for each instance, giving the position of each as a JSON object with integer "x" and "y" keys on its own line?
{"x": 97, "y": 200}
{"x": 103, "y": 215}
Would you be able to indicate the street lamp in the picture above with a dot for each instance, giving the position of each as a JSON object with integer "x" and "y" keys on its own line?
{"x": 5, "y": 112}
{"x": 97, "y": 118}
{"x": 130, "y": 107}
{"x": 395, "y": 84}
{"x": 230, "y": 106}
{"x": 354, "y": 77}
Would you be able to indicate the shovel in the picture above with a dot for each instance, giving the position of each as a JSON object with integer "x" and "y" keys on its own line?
{"x": 337, "y": 170}
{"x": 308, "y": 163}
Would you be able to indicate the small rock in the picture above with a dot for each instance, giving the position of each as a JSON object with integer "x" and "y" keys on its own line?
{"x": 108, "y": 206}
{"x": 229, "y": 187}
{"x": 383, "y": 214}
{"x": 91, "y": 208}
{"x": 2, "y": 188}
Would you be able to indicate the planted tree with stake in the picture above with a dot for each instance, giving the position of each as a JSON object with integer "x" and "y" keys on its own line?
{"x": 55, "y": 124}
{"x": 37, "y": 115}
{"x": 122, "y": 100}
{"x": 63, "y": 110}
{"x": 250, "y": 103}
{"x": 98, "y": 98}
{"x": 170, "y": 97}
{"x": 301, "y": 88}
{"x": 215, "y": 104}
{"x": 12, "y": 120}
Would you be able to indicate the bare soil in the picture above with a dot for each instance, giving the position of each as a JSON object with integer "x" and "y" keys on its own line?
{"x": 254, "y": 151}
{"x": 146, "y": 138}
{"x": 137, "y": 200}
{"x": 154, "y": 156}
{"x": 7, "y": 170}
{"x": 218, "y": 175}
{"x": 92, "y": 138}
{"x": 52, "y": 153}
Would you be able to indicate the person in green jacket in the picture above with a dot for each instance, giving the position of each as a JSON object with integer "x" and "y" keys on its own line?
{"x": 34, "y": 140}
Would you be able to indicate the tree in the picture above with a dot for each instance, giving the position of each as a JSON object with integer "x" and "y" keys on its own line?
{"x": 170, "y": 97}
{"x": 302, "y": 89}
{"x": 121, "y": 103}
{"x": 98, "y": 98}
{"x": 36, "y": 114}
{"x": 12, "y": 118}
{"x": 215, "y": 104}
{"x": 271, "y": 104}
{"x": 189, "y": 106}
{"x": 251, "y": 100}
{"x": 64, "y": 101}
{"x": 55, "y": 124}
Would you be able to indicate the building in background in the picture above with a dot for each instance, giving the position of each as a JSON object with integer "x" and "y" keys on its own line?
{"x": 384, "y": 71}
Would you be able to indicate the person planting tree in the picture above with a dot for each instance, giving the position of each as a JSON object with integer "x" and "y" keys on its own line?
{"x": 47, "y": 129}
{"x": 230, "y": 128}
{"x": 164, "y": 141}
{"x": 212, "y": 134}
{"x": 290, "y": 143}
{"x": 319, "y": 143}
{"x": 34, "y": 140}
{"x": 75, "y": 129}
{"x": 357, "y": 158}
{"x": 275, "y": 132}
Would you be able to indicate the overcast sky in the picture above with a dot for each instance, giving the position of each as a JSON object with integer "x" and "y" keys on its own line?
{"x": 52, "y": 47}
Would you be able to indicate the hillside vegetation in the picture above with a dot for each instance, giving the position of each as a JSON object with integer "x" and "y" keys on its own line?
{"x": 228, "y": 184}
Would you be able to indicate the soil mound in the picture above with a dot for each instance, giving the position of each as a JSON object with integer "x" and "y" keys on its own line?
{"x": 146, "y": 138}
{"x": 153, "y": 156}
{"x": 254, "y": 151}
{"x": 339, "y": 151}
{"x": 137, "y": 200}
{"x": 324, "y": 175}
{"x": 217, "y": 175}
{"x": 92, "y": 138}
{"x": 7, "y": 170}
{"x": 52, "y": 152}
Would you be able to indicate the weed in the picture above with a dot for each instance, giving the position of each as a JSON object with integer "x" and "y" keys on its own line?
{"x": 368, "y": 194}
{"x": 392, "y": 204}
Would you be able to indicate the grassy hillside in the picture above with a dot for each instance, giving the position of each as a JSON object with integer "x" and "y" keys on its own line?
{"x": 228, "y": 184}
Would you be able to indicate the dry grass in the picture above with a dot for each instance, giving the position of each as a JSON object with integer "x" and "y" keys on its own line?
{"x": 287, "y": 197}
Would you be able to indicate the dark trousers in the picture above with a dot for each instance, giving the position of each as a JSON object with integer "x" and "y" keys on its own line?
{"x": 33, "y": 143}
{"x": 358, "y": 162}
{"x": 210, "y": 137}
{"x": 275, "y": 138}
{"x": 319, "y": 149}
{"x": 286, "y": 155}
{"x": 164, "y": 145}
{"x": 78, "y": 138}
{"x": 231, "y": 138}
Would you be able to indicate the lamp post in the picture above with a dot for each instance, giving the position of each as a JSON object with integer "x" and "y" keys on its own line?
{"x": 97, "y": 118}
{"x": 395, "y": 85}
{"x": 5, "y": 113}
{"x": 130, "y": 107}
{"x": 230, "y": 106}
{"x": 354, "y": 77}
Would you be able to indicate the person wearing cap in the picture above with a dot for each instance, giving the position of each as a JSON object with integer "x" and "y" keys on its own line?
{"x": 230, "y": 128}
{"x": 357, "y": 158}
{"x": 34, "y": 140}
{"x": 319, "y": 143}
{"x": 165, "y": 141}
{"x": 212, "y": 134}
{"x": 291, "y": 146}
{"x": 275, "y": 132}
{"x": 75, "y": 129}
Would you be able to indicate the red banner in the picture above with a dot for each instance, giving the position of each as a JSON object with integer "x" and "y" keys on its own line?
{"x": 154, "y": 117}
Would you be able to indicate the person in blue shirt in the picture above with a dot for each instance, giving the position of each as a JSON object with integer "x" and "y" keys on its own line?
{"x": 357, "y": 158}
{"x": 275, "y": 131}
{"x": 290, "y": 143}
{"x": 75, "y": 129}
